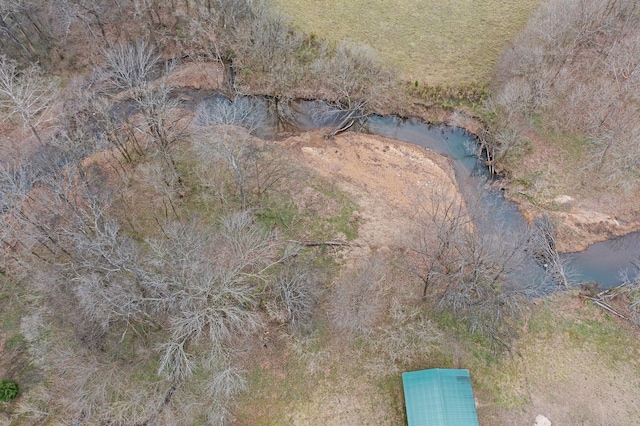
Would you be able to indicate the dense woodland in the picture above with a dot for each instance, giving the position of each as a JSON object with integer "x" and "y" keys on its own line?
{"x": 575, "y": 71}
{"x": 146, "y": 245}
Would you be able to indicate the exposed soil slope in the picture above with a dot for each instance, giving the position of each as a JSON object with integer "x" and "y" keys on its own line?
{"x": 384, "y": 177}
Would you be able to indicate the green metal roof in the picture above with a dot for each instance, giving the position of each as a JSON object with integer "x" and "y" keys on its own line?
{"x": 439, "y": 397}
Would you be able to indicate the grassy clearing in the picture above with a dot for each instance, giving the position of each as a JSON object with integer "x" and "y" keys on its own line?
{"x": 279, "y": 378}
{"x": 573, "y": 363}
{"x": 431, "y": 41}
{"x": 550, "y": 162}
{"x": 587, "y": 327}
{"x": 318, "y": 380}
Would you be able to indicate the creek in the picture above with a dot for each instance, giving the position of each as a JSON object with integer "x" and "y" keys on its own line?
{"x": 602, "y": 262}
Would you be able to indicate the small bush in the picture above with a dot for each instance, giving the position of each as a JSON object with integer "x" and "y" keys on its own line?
{"x": 8, "y": 390}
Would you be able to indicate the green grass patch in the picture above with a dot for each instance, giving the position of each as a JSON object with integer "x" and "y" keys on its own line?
{"x": 14, "y": 358}
{"x": 340, "y": 218}
{"x": 589, "y": 328}
{"x": 327, "y": 214}
{"x": 282, "y": 213}
{"x": 479, "y": 344}
{"x": 431, "y": 41}
{"x": 468, "y": 96}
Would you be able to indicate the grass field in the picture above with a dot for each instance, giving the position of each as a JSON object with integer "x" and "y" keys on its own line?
{"x": 432, "y": 41}
{"x": 573, "y": 363}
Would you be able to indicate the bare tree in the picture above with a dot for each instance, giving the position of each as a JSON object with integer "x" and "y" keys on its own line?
{"x": 478, "y": 274}
{"x": 209, "y": 296}
{"x": 73, "y": 16}
{"x": 194, "y": 290}
{"x": 16, "y": 224}
{"x": 575, "y": 66}
{"x": 278, "y": 59}
{"x": 357, "y": 76}
{"x": 359, "y": 298}
{"x": 542, "y": 246}
{"x": 293, "y": 293}
{"x": 30, "y": 212}
{"x": 263, "y": 44}
{"x": 131, "y": 66}
{"x": 629, "y": 290}
{"x": 10, "y": 27}
{"x": 23, "y": 22}
{"x": 164, "y": 122}
{"x": 117, "y": 130}
{"x": 230, "y": 140}
{"x": 27, "y": 94}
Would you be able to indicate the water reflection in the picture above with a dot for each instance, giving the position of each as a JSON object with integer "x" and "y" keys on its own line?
{"x": 602, "y": 262}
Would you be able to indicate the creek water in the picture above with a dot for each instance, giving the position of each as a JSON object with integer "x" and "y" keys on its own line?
{"x": 602, "y": 262}
{"x": 608, "y": 261}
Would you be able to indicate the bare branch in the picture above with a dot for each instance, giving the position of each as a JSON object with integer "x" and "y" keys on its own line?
{"x": 27, "y": 94}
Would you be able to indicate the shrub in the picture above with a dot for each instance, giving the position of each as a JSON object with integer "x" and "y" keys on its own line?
{"x": 8, "y": 390}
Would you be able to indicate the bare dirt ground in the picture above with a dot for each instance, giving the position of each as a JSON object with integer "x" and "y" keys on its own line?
{"x": 585, "y": 220}
{"x": 382, "y": 175}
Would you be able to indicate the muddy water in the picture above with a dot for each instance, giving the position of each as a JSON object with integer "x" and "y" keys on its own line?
{"x": 601, "y": 262}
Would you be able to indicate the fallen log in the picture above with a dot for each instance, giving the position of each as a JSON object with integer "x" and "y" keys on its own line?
{"x": 321, "y": 243}
{"x": 607, "y": 307}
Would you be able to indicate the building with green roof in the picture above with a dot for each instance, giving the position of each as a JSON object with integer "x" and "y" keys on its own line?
{"x": 439, "y": 397}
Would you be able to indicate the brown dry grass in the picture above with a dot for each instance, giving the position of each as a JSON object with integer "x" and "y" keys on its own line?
{"x": 575, "y": 365}
{"x": 319, "y": 380}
